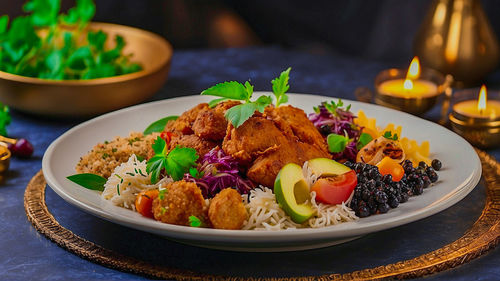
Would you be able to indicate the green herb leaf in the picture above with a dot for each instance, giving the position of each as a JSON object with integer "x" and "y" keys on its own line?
{"x": 178, "y": 161}
{"x": 97, "y": 39}
{"x": 194, "y": 221}
{"x": 195, "y": 173}
{"x": 89, "y": 181}
{"x": 4, "y": 22}
{"x": 262, "y": 102}
{"x": 231, "y": 90}
{"x": 332, "y": 106}
{"x": 336, "y": 143}
{"x": 4, "y": 119}
{"x": 44, "y": 12}
{"x": 238, "y": 114}
{"x": 280, "y": 87}
{"x": 159, "y": 125}
{"x": 364, "y": 139}
{"x": 215, "y": 102}
{"x": 161, "y": 194}
{"x": 390, "y": 136}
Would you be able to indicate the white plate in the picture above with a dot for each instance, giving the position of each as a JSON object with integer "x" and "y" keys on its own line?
{"x": 461, "y": 173}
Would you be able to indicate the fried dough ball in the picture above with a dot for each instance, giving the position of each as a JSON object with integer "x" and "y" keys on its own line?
{"x": 180, "y": 201}
{"x": 227, "y": 211}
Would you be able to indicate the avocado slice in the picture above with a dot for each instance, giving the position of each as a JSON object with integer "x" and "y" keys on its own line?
{"x": 292, "y": 193}
{"x": 324, "y": 167}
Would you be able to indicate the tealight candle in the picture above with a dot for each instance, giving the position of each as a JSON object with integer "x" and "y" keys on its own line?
{"x": 480, "y": 108}
{"x": 478, "y": 121}
{"x": 414, "y": 91}
{"x": 418, "y": 88}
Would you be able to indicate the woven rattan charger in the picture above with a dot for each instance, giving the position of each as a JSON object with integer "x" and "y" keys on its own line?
{"x": 482, "y": 236}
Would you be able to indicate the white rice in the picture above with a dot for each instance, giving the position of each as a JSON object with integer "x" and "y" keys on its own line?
{"x": 327, "y": 214}
{"x": 264, "y": 212}
{"x": 127, "y": 180}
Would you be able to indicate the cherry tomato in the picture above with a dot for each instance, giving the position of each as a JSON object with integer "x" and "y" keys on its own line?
{"x": 335, "y": 190}
{"x": 392, "y": 167}
{"x": 167, "y": 136}
{"x": 144, "y": 202}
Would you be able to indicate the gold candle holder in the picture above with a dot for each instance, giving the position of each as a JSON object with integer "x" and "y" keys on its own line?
{"x": 481, "y": 130}
{"x": 414, "y": 104}
{"x": 4, "y": 158}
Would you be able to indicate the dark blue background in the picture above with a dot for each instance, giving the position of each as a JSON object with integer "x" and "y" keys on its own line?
{"x": 25, "y": 254}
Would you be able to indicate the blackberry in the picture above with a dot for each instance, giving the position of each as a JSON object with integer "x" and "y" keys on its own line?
{"x": 325, "y": 129}
{"x": 404, "y": 197}
{"x": 427, "y": 181}
{"x": 436, "y": 164}
{"x": 422, "y": 164}
{"x": 417, "y": 190}
{"x": 383, "y": 208}
{"x": 387, "y": 178}
{"x": 380, "y": 196}
{"x": 375, "y": 193}
{"x": 433, "y": 177}
{"x": 419, "y": 183}
{"x": 365, "y": 195}
{"x": 393, "y": 201}
{"x": 432, "y": 174}
{"x": 362, "y": 210}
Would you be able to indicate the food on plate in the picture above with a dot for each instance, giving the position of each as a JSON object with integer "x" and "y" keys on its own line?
{"x": 106, "y": 156}
{"x": 389, "y": 166}
{"x": 256, "y": 164}
{"x": 144, "y": 202}
{"x": 332, "y": 182}
{"x": 379, "y": 148}
{"x": 413, "y": 151}
{"x": 227, "y": 210}
{"x": 292, "y": 193}
{"x": 178, "y": 201}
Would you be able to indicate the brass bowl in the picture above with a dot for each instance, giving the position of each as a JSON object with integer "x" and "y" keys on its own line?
{"x": 413, "y": 105}
{"x": 481, "y": 134}
{"x": 80, "y": 98}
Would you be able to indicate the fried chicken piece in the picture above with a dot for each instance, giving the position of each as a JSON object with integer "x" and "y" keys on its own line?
{"x": 227, "y": 210}
{"x": 202, "y": 146}
{"x": 300, "y": 125}
{"x": 256, "y": 136}
{"x": 180, "y": 201}
{"x": 211, "y": 124}
{"x": 183, "y": 124}
{"x": 266, "y": 167}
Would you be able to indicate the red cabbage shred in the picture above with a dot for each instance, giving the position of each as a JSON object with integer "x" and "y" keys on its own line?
{"x": 219, "y": 171}
{"x": 341, "y": 122}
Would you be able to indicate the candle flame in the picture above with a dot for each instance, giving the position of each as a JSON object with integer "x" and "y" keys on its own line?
{"x": 481, "y": 101}
{"x": 408, "y": 84}
{"x": 414, "y": 69}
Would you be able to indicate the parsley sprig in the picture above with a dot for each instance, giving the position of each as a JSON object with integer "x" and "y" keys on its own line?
{"x": 388, "y": 135}
{"x": 233, "y": 90}
{"x": 332, "y": 107}
{"x": 176, "y": 163}
{"x": 194, "y": 221}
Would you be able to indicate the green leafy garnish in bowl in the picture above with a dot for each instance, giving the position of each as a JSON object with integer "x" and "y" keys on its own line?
{"x": 48, "y": 44}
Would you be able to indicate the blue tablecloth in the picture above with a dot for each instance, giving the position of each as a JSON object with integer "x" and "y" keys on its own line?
{"x": 25, "y": 254}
